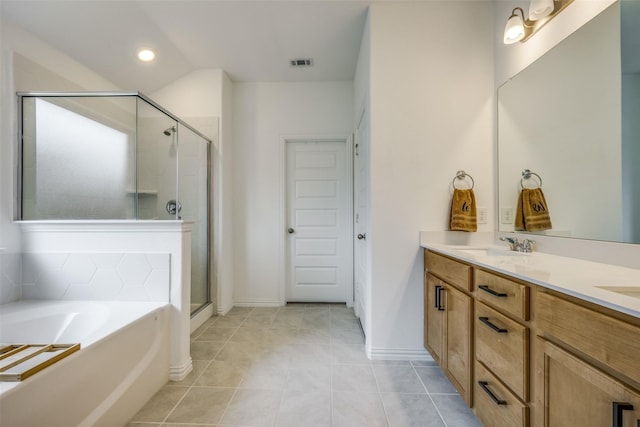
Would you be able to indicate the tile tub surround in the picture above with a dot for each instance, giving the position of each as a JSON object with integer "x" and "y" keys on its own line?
{"x": 96, "y": 276}
{"x": 300, "y": 365}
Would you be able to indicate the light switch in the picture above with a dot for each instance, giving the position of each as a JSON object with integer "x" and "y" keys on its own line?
{"x": 506, "y": 215}
{"x": 482, "y": 215}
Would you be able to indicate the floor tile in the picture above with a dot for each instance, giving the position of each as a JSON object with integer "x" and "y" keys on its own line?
{"x": 216, "y": 334}
{"x": 411, "y": 410}
{"x": 455, "y": 412}
{"x": 434, "y": 380}
{"x": 357, "y": 409}
{"x": 309, "y": 377}
{"x": 349, "y": 354}
{"x": 309, "y": 409}
{"x": 205, "y": 350}
{"x": 253, "y": 408}
{"x": 401, "y": 379}
{"x": 157, "y": 409}
{"x": 301, "y": 365}
{"x": 310, "y": 354}
{"x": 353, "y": 378}
{"x": 202, "y": 405}
{"x": 220, "y": 374}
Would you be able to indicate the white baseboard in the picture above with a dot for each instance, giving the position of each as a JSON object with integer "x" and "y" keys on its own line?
{"x": 257, "y": 303}
{"x": 178, "y": 373}
{"x": 399, "y": 354}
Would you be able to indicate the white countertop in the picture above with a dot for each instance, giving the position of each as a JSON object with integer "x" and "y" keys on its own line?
{"x": 571, "y": 276}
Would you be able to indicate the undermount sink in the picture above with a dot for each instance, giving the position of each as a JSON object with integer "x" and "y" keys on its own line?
{"x": 494, "y": 252}
{"x": 630, "y": 291}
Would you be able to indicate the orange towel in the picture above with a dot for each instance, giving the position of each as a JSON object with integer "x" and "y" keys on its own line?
{"x": 532, "y": 211}
{"x": 463, "y": 215}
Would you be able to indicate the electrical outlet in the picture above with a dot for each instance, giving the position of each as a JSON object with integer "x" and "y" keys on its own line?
{"x": 482, "y": 215}
{"x": 506, "y": 215}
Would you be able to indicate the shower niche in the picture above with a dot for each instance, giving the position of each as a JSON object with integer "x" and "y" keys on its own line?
{"x": 115, "y": 156}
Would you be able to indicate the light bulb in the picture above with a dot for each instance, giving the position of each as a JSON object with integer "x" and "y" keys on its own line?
{"x": 514, "y": 30}
{"x": 146, "y": 55}
{"x": 539, "y": 9}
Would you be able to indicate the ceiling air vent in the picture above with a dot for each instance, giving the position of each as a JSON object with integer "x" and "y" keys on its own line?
{"x": 301, "y": 62}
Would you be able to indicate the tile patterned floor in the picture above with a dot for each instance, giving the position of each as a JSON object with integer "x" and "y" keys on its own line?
{"x": 302, "y": 365}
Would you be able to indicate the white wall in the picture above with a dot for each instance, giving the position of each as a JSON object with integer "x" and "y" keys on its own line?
{"x": 51, "y": 66}
{"x": 262, "y": 113}
{"x": 432, "y": 106}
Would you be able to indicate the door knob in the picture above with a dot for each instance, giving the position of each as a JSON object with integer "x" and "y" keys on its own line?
{"x": 362, "y": 236}
{"x": 290, "y": 230}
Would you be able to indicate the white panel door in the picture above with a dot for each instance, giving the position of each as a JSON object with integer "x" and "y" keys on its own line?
{"x": 317, "y": 221}
{"x": 360, "y": 220}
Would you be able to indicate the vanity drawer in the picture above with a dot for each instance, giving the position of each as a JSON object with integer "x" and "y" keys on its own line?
{"x": 503, "y": 346}
{"x": 495, "y": 405}
{"x": 453, "y": 272}
{"x": 608, "y": 340}
{"x": 504, "y": 294}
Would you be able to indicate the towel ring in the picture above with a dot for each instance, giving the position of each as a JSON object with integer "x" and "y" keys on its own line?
{"x": 462, "y": 175}
{"x": 526, "y": 175}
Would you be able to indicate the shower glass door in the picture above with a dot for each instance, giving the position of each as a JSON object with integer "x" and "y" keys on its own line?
{"x": 157, "y": 154}
{"x": 193, "y": 191}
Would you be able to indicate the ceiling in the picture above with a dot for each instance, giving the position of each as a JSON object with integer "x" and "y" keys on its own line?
{"x": 250, "y": 40}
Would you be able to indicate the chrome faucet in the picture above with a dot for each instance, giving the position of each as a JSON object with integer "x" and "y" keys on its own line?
{"x": 515, "y": 245}
{"x": 512, "y": 242}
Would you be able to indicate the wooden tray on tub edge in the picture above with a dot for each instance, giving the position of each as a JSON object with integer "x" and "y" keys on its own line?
{"x": 20, "y": 361}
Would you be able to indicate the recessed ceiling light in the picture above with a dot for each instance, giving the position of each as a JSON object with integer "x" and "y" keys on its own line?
{"x": 146, "y": 55}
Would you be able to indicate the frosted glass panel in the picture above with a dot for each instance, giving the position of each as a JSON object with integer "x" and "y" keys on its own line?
{"x": 75, "y": 167}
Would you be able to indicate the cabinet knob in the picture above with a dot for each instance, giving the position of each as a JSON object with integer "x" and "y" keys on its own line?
{"x": 290, "y": 230}
{"x": 618, "y": 409}
{"x": 362, "y": 236}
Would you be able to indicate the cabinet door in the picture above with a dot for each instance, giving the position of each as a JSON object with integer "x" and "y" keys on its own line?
{"x": 577, "y": 394}
{"x": 459, "y": 330}
{"x": 433, "y": 317}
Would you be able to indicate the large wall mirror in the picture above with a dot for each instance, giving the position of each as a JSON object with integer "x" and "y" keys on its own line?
{"x": 572, "y": 118}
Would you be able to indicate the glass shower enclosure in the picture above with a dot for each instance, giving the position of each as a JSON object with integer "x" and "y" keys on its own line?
{"x": 115, "y": 156}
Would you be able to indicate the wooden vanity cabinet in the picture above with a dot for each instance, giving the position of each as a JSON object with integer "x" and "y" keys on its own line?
{"x": 502, "y": 350}
{"x": 524, "y": 355}
{"x": 588, "y": 365}
{"x": 574, "y": 393}
{"x": 448, "y": 320}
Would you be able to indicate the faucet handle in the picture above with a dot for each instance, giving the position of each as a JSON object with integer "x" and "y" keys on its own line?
{"x": 527, "y": 245}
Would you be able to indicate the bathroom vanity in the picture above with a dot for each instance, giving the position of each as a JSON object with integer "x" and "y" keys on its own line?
{"x": 535, "y": 339}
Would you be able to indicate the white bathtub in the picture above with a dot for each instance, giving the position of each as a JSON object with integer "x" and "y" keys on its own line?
{"x": 123, "y": 361}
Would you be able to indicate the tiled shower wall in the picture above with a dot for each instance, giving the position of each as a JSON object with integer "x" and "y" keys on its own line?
{"x": 86, "y": 276}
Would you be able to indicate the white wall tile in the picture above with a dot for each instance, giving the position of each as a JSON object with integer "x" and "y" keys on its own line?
{"x": 93, "y": 276}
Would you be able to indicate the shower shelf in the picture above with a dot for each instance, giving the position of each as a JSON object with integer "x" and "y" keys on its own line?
{"x": 20, "y": 361}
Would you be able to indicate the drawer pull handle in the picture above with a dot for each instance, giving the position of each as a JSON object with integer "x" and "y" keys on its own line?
{"x": 438, "y": 304}
{"x": 485, "y": 386}
{"x": 486, "y": 321}
{"x": 618, "y": 408}
{"x": 488, "y": 290}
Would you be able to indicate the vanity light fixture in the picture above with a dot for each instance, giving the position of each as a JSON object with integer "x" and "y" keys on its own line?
{"x": 519, "y": 28}
{"x": 146, "y": 55}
